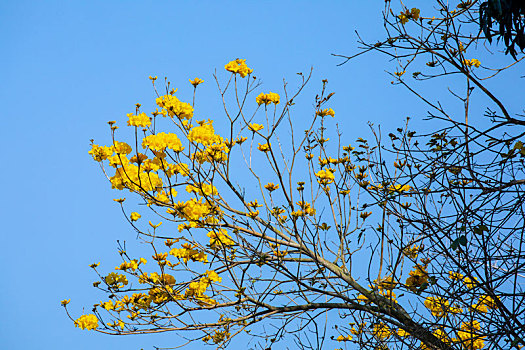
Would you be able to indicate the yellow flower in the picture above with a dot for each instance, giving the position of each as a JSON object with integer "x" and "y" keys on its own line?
{"x": 116, "y": 280}
{"x": 122, "y": 148}
{"x": 202, "y": 189}
{"x": 402, "y": 333}
{"x": 381, "y": 331}
{"x": 479, "y": 308}
{"x": 253, "y": 214}
{"x": 141, "y": 120}
{"x": 88, "y": 322}
{"x": 238, "y": 67}
{"x": 438, "y": 306}
{"x": 188, "y": 252}
{"x": 100, "y": 153}
{"x": 161, "y": 141}
{"x": 255, "y": 127}
{"x": 325, "y": 112}
{"x": 155, "y": 226}
{"x": 134, "y": 216}
{"x": 325, "y": 177}
{"x": 470, "y": 283}
{"x": 268, "y": 98}
{"x": 344, "y": 338}
{"x": 173, "y": 107}
{"x": 488, "y": 301}
{"x": 412, "y": 14}
{"x": 220, "y": 239}
{"x": 271, "y": 186}
{"x": 403, "y": 18}
{"x": 241, "y": 139}
{"x": 455, "y": 276}
{"x": 264, "y": 148}
{"x": 473, "y": 62}
{"x": 418, "y": 277}
{"x": 204, "y": 134}
{"x": 196, "y": 82}
{"x": 65, "y": 302}
{"x": 107, "y": 305}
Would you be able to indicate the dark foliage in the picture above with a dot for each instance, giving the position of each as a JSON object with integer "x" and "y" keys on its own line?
{"x": 510, "y": 17}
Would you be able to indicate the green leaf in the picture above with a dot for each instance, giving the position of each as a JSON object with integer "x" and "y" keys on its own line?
{"x": 454, "y": 245}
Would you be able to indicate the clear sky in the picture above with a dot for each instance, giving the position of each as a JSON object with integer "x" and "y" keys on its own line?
{"x": 67, "y": 67}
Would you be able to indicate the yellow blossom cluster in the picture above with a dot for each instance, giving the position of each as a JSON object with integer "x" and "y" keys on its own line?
{"x": 325, "y": 112}
{"x": 189, "y": 252}
{"x": 238, "y": 66}
{"x": 100, "y": 153}
{"x": 140, "y": 120}
{"x": 381, "y": 331}
{"x": 385, "y": 283}
{"x": 276, "y": 212}
{"x": 116, "y": 280}
{"x": 277, "y": 251}
{"x": 469, "y": 337}
{"x": 174, "y": 107}
{"x": 196, "y": 82}
{"x": 134, "y": 216}
{"x": 329, "y": 160}
{"x": 204, "y": 134}
{"x": 484, "y": 303}
{"x": 220, "y": 239}
{"x": 439, "y": 306}
{"x": 154, "y": 164}
{"x": 88, "y": 322}
{"x": 161, "y": 141}
{"x": 344, "y": 338}
{"x": 268, "y": 98}
{"x": 270, "y": 186}
{"x": 409, "y": 14}
{"x": 264, "y": 148}
{"x": 396, "y": 188}
{"x": 180, "y": 169}
{"x": 131, "y": 265}
{"x": 306, "y": 209}
{"x": 467, "y": 281}
{"x": 192, "y": 210}
{"x": 161, "y": 198}
{"x": 120, "y": 324}
{"x": 202, "y": 189}
{"x": 472, "y": 63}
{"x": 388, "y": 294}
{"x": 214, "y": 153}
{"x": 217, "y": 336}
{"x": 154, "y": 278}
{"x": 131, "y": 178}
{"x": 402, "y": 333}
{"x": 122, "y": 148}
{"x": 412, "y": 252}
{"x": 417, "y": 277}
{"x": 255, "y": 127}
{"x": 197, "y": 289}
{"x": 325, "y": 177}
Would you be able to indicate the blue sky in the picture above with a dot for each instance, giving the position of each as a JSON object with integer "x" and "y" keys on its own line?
{"x": 70, "y": 66}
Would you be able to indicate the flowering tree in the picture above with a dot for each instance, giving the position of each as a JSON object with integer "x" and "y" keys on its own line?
{"x": 275, "y": 231}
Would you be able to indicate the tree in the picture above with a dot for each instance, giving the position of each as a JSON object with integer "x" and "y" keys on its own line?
{"x": 437, "y": 216}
